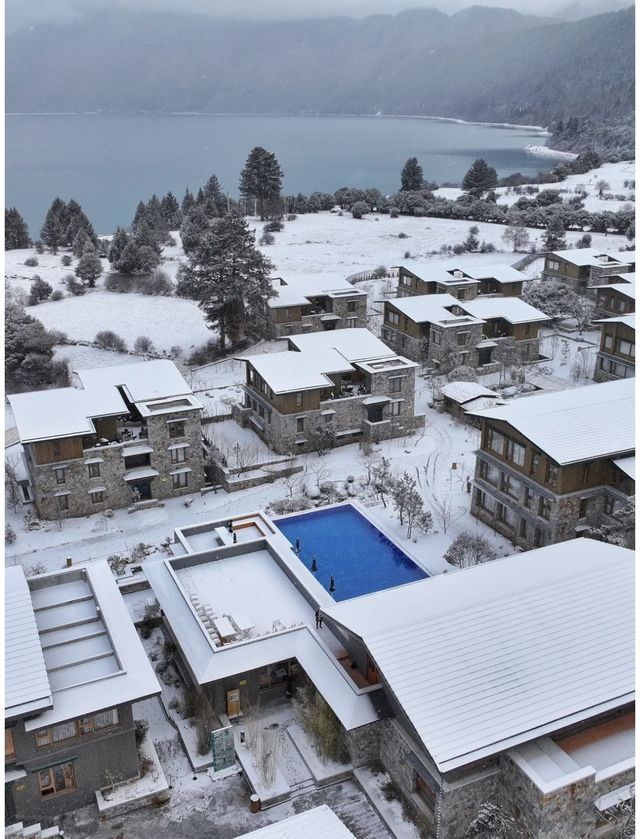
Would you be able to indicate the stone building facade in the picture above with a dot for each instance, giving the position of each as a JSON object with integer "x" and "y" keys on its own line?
{"x": 616, "y": 358}
{"x": 462, "y": 283}
{"x": 587, "y": 267}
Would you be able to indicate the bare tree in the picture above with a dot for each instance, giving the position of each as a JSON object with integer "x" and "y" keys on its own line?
{"x": 382, "y": 480}
{"x": 11, "y": 484}
{"x": 602, "y": 186}
{"x": 444, "y": 511}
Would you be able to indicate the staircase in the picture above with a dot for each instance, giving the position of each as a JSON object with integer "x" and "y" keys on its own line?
{"x": 34, "y": 831}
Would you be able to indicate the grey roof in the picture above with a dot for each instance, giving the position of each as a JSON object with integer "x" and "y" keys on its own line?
{"x": 574, "y": 425}
{"x": 318, "y": 823}
{"x": 26, "y": 689}
{"x": 489, "y": 657}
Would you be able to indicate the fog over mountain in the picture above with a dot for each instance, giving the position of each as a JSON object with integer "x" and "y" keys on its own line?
{"x": 487, "y": 64}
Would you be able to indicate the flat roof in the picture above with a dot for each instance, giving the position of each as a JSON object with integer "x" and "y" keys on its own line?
{"x": 294, "y": 290}
{"x": 26, "y": 689}
{"x": 353, "y": 344}
{"x": 142, "y": 382}
{"x": 485, "y": 658}
{"x": 318, "y": 823}
{"x": 589, "y": 256}
{"x": 511, "y": 309}
{"x": 433, "y": 308}
{"x": 500, "y": 273}
{"x": 62, "y": 412}
{"x": 583, "y": 423}
{"x": 92, "y": 654}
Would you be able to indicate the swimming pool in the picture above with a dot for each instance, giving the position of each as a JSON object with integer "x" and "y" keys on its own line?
{"x": 347, "y": 547}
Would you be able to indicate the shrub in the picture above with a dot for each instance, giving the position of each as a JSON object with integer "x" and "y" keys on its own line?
{"x": 394, "y": 212}
{"x": 274, "y": 226}
{"x": 359, "y": 209}
{"x": 40, "y": 290}
{"x": 57, "y": 295}
{"x": 205, "y": 353}
{"x": 66, "y": 260}
{"x": 120, "y": 283}
{"x": 157, "y": 284}
{"x": 10, "y": 535}
{"x": 320, "y": 722}
{"x": 140, "y": 732}
{"x": 402, "y": 236}
{"x": 463, "y": 373}
{"x": 458, "y": 249}
{"x": 267, "y": 239}
{"x": 108, "y": 340}
{"x": 291, "y": 217}
{"x": 176, "y": 351}
{"x": 407, "y": 254}
{"x": 38, "y": 246}
{"x": 74, "y": 288}
{"x": 143, "y": 344}
{"x": 31, "y": 262}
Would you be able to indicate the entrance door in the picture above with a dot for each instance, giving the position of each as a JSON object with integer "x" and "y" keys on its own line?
{"x": 233, "y": 703}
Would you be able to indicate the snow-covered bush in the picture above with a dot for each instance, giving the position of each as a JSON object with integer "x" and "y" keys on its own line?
{"x": 74, "y": 288}
{"x": 143, "y": 344}
{"x": 40, "y": 290}
{"x": 10, "y": 535}
{"x": 359, "y": 209}
{"x": 467, "y": 550}
{"x": 462, "y": 373}
{"x": 108, "y": 340}
{"x": 31, "y": 262}
{"x": 57, "y": 295}
{"x": 267, "y": 239}
{"x": 66, "y": 260}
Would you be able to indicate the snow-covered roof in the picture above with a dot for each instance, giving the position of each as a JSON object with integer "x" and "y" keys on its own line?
{"x": 286, "y": 372}
{"x": 142, "y": 382}
{"x": 578, "y": 424}
{"x": 465, "y": 391}
{"x": 26, "y": 688}
{"x": 626, "y": 285}
{"x": 511, "y": 309}
{"x": 92, "y": 654}
{"x": 433, "y": 308}
{"x": 627, "y": 320}
{"x": 353, "y": 344}
{"x": 500, "y": 273}
{"x": 628, "y": 465}
{"x": 318, "y": 823}
{"x": 297, "y": 289}
{"x": 593, "y": 256}
{"x": 63, "y": 412}
{"x": 488, "y": 657}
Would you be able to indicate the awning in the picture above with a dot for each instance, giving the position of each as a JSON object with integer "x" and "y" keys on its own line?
{"x": 132, "y": 451}
{"x": 376, "y": 400}
{"x": 483, "y": 345}
{"x": 181, "y": 471}
{"x": 96, "y": 489}
{"x": 327, "y": 413}
{"x": 330, "y": 317}
{"x": 139, "y": 474}
{"x": 12, "y": 775}
{"x": 94, "y": 460}
{"x": 179, "y": 446}
{"x": 61, "y": 492}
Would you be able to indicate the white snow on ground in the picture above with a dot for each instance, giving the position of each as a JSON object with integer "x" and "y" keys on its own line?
{"x": 545, "y": 151}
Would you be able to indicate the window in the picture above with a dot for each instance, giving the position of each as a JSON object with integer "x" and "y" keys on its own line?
{"x": 180, "y": 480}
{"x": 582, "y": 510}
{"x": 104, "y": 719}
{"x": 535, "y": 463}
{"x": 436, "y": 338}
{"x": 63, "y": 502}
{"x": 608, "y": 342}
{"x": 522, "y": 529}
{"x": 179, "y": 455}
{"x": 544, "y": 508}
{"x": 462, "y": 338}
{"x": 56, "y": 779}
{"x": 538, "y": 539}
{"x": 395, "y": 408}
{"x": 527, "y": 501}
{"x": 625, "y": 348}
{"x": 514, "y": 452}
{"x": 176, "y": 429}
{"x": 351, "y": 306}
{"x": 553, "y": 265}
{"x": 395, "y": 384}
{"x": 501, "y": 513}
{"x": 60, "y": 476}
{"x": 552, "y": 474}
{"x": 94, "y": 470}
{"x": 299, "y": 424}
{"x": 393, "y": 318}
{"x": 328, "y": 417}
{"x": 299, "y": 399}
{"x": 56, "y": 734}
{"x": 351, "y": 323}
{"x": 9, "y": 747}
{"x": 508, "y": 485}
{"x": 495, "y": 441}
{"x": 609, "y": 505}
{"x": 425, "y": 792}
{"x": 97, "y": 496}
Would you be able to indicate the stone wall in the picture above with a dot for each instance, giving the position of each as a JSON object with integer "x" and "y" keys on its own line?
{"x": 364, "y": 743}
{"x": 161, "y": 442}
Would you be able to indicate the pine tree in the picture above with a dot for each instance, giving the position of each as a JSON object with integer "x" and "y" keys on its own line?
{"x": 89, "y": 268}
{"x": 480, "y": 178}
{"x": 77, "y": 220}
{"x": 193, "y": 227}
{"x": 411, "y": 175}
{"x": 553, "y": 237}
{"x": 472, "y": 243}
{"x": 55, "y": 225}
{"x": 16, "y": 232}
{"x": 214, "y": 198}
{"x": 261, "y": 182}
{"x": 28, "y": 360}
{"x": 79, "y": 241}
{"x": 118, "y": 244}
{"x": 229, "y": 277}
{"x": 171, "y": 213}
{"x": 187, "y": 202}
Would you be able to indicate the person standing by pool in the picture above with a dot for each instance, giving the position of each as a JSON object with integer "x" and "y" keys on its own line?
{"x": 318, "y": 619}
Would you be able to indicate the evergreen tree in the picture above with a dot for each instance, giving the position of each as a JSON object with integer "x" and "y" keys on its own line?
{"x": 261, "y": 182}
{"x": 140, "y": 216}
{"x": 214, "y": 198}
{"x": 118, "y": 244}
{"x": 89, "y": 268}
{"x": 472, "y": 243}
{"x": 554, "y": 234}
{"x": 28, "y": 360}
{"x": 80, "y": 240}
{"x": 145, "y": 236}
{"x": 78, "y": 220}
{"x": 55, "y": 225}
{"x": 480, "y": 178}
{"x": 229, "y": 277}
{"x": 411, "y": 175}
{"x": 16, "y": 232}
{"x": 187, "y": 202}
{"x": 193, "y": 227}
{"x": 171, "y": 214}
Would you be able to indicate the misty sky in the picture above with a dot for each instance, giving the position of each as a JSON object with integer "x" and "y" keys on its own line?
{"x": 21, "y": 13}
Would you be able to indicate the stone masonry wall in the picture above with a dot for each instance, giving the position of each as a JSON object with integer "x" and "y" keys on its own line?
{"x": 160, "y": 441}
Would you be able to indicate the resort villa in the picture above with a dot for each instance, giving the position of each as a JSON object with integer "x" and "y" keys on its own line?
{"x": 618, "y": 297}
{"x": 74, "y": 666}
{"x": 444, "y": 332}
{"x": 402, "y": 658}
{"x": 584, "y": 268}
{"x": 616, "y": 358}
{"x": 329, "y": 388}
{"x": 461, "y": 283}
{"x": 552, "y": 465}
{"x": 128, "y": 434}
{"x": 313, "y": 303}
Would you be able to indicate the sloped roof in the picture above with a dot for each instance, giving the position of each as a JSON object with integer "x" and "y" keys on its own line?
{"x": 63, "y": 412}
{"x": 433, "y": 308}
{"x": 285, "y": 372}
{"x": 511, "y": 309}
{"x": 500, "y": 273}
{"x": 318, "y": 823}
{"x": 492, "y": 656}
{"x": 589, "y": 256}
{"x": 628, "y": 320}
{"x": 143, "y": 381}
{"x": 298, "y": 288}
{"x": 627, "y": 465}
{"x": 578, "y": 424}
{"x": 353, "y": 344}
{"x": 465, "y": 391}
{"x": 26, "y": 688}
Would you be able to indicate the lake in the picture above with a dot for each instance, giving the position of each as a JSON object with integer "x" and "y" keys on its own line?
{"x": 109, "y": 162}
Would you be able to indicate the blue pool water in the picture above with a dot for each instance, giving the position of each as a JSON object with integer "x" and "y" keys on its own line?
{"x": 349, "y": 548}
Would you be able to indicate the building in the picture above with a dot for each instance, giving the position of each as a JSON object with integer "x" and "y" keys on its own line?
{"x": 461, "y": 399}
{"x": 74, "y": 666}
{"x": 511, "y": 682}
{"x": 554, "y": 464}
{"x": 462, "y": 283}
{"x": 616, "y": 298}
{"x": 616, "y": 358}
{"x": 313, "y": 304}
{"x": 130, "y": 433}
{"x": 584, "y": 268}
{"x": 444, "y": 332}
{"x": 329, "y": 388}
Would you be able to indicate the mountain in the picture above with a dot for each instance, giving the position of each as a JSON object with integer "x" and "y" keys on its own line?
{"x": 486, "y": 64}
